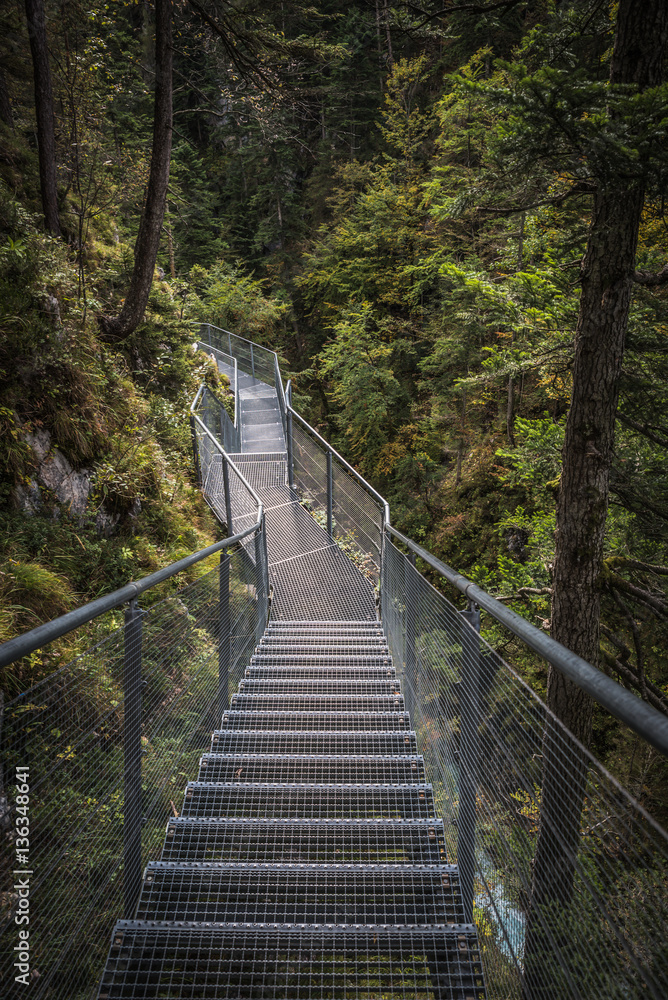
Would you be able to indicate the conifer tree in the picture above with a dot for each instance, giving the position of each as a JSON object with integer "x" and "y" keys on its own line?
{"x": 115, "y": 328}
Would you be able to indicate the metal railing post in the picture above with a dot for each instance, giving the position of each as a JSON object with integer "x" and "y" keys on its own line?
{"x": 229, "y": 343}
{"x": 252, "y": 361}
{"x": 224, "y": 637}
{"x": 196, "y": 462}
{"x": 330, "y": 491}
{"x": 228, "y": 499}
{"x": 208, "y": 330}
{"x": 468, "y": 755}
{"x": 410, "y": 691}
{"x": 132, "y": 799}
{"x": 223, "y": 436}
{"x": 259, "y": 569}
{"x": 288, "y": 434}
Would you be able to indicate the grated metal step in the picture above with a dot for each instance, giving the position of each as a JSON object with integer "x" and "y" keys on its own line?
{"x": 311, "y": 702}
{"x": 335, "y": 672}
{"x": 317, "y": 659}
{"x": 346, "y": 625}
{"x": 311, "y": 801}
{"x": 320, "y": 686}
{"x": 331, "y": 637}
{"x": 283, "y": 654}
{"x": 414, "y": 841}
{"x": 334, "y": 653}
{"x": 301, "y": 893}
{"x": 321, "y": 768}
{"x": 313, "y": 741}
{"x": 323, "y": 643}
{"x": 325, "y": 721}
{"x": 248, "y": 962}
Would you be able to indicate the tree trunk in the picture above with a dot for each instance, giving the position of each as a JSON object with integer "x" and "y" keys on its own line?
{"x": 46, "y": 136}
{"x": 390, "y": 57}
{"x": 606, "y": 277}
{"x": 5, "y": 103}
{"x": 148, "y": 238}
{"x": 510, "y": 412}
{"x": 170, "y": 245}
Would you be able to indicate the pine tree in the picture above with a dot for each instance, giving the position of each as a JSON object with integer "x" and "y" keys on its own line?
{"x": 115, "y": 328}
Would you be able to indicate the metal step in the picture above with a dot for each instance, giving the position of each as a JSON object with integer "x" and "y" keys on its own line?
{"x": 336, "y": 638}
{"x": 345, "y": 624}
{"x": 319, "y": 650}
{"x": 317, "y": 659}
{"x": 329, "y": 672}
{"x": 301, "y": 893}
{"x": 287, "y": 702}
{"x": 325, "y": 721}
{"x": 245, "y": 962}
{"x": 203, "y": 798}
{"x": 320, "y": 686}
{"x": 321, "y": 768}
{"x": 416, "y": 841}
{"x": 312, "y": 741}
{"x": 335, "y": 644}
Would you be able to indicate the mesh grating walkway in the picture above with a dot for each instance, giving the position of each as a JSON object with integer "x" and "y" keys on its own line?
{"x": 307, "y": 861}
{"x": 312, "y": 578}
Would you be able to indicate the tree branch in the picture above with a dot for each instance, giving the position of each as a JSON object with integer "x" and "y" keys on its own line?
{"x": 581, "y": 188}
{"x": 226, "y": 31}
{"x": 455, "y": 8}
{"x": 621, "y": 561}
{"x": 644, "y": 429}
{"x": 652, "y": 277}
{"x": 656, "y": 700}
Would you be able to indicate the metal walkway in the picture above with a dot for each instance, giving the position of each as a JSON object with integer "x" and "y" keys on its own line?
{"x": 311, "y": 576}
{"x": 307, "y": 860}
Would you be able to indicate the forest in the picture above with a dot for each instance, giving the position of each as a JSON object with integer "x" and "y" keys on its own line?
{"x": 449, "y": 220}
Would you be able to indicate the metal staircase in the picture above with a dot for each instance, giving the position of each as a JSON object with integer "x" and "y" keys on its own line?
{"x": 307, "y": 860}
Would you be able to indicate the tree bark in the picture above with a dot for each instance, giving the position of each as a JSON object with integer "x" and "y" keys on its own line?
{"x": 5, "y": 103}
{"x": 46, "y": 135}
{"x": 606, "y": 277}
{"x": 115, "y": 328}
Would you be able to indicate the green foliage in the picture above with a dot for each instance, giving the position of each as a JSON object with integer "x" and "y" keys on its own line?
{"x": 230, "y": 298}
{"x": 357, "y": 366}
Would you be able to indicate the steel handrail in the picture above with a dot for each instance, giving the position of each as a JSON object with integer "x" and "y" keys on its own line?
{"x": 642, "y": 718}
{"x": 27, "y": 643}
{"x": 235, "y": 368}
{"x": 637, "y": 714}
{"x": 227, "y": 458}
{"x": 353, "y": 472}
{"x": 236, "y": 336}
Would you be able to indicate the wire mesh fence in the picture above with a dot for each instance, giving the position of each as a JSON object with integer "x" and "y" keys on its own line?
{"x": 254, "y": 360}
{"x": 338, "y": 501}
{"x": 64, "y": 747}
{"x": 226, "y": 490}
{"x": 566, "y": 875}
{"x": 217, "y": 420}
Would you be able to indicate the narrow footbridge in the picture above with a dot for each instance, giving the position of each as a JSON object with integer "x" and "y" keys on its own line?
{"x": 385, "y": 810}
